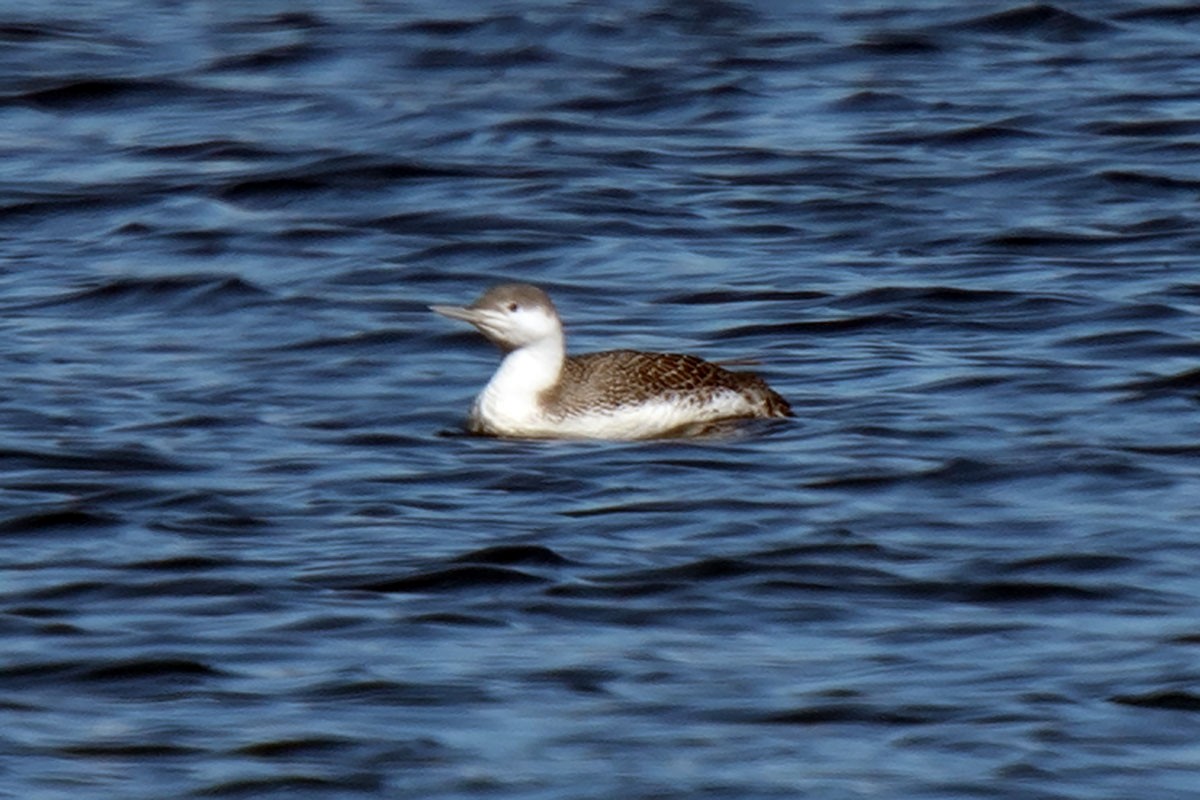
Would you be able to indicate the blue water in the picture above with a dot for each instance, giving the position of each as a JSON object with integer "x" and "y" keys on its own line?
{"x": 250, "y": 552}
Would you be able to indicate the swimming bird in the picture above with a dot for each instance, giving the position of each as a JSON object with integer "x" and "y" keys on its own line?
{"x": 540, "y": 392}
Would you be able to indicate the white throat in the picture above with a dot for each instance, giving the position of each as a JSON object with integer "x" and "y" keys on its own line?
{"x": 512, "y": 398}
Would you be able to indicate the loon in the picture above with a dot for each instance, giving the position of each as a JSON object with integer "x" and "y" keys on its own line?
{"x": 540, "y": 392}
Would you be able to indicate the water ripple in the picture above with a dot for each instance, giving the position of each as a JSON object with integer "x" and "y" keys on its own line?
{"x": 252, "y": 551}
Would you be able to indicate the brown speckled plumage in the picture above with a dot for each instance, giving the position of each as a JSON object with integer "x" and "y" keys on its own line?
{"x": 613, "y": 378}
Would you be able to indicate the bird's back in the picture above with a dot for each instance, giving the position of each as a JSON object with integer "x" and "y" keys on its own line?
{"x": 616, "y": 379}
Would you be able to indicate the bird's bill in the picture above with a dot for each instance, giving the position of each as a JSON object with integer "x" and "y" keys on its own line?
{"x": 470, "y": 315}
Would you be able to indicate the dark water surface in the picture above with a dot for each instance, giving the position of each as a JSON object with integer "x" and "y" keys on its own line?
{"x": 249, "y": 553}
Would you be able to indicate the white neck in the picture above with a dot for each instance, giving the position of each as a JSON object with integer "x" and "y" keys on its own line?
{"x": 511, "y": 398}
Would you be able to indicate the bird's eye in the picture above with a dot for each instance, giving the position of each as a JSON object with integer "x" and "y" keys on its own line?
{"x": 513, "y": 306}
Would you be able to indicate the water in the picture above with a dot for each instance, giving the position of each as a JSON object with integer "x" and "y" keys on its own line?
{"x": 249, "y": 551}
